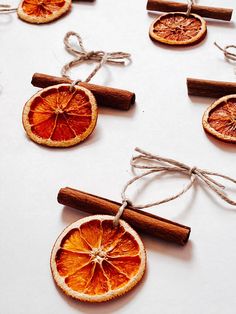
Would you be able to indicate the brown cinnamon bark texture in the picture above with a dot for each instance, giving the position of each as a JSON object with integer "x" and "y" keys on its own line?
{"x": 207, "y": 88}
{"x": 204, "y": 11}
{"x": 156, "y": 226}
{"x": 105, "y": 96}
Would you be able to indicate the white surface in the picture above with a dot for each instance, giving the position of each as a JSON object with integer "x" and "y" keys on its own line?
{"x": 197, "y": 278}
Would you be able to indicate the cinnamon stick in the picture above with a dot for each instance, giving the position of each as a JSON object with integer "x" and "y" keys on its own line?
{"x": 105, "y": 96}
{"x": 207, "y": 88}
{"x": 204, "y": 11}
{"x": 156, "y": 226}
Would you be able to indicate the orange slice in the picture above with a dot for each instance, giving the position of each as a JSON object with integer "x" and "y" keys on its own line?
{"x": 220, "y": 119}
{"x": 60, "y": 116}
{"x": 42, "y": 11}
{"x": 94, "y": 261}
{"x": 178, "y": 29}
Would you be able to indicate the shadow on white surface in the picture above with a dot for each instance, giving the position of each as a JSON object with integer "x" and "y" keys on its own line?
{"x": 215, "y": 199}
{"x": 119, "y": 113}
{"x": 184, "y": 253}
{"x": 224, "y": 24}
{"x": 5, "y": 19}
{"x": 226, "y": 147}
{"x": 70, "y": 215}
{"x": 197, "y": 100}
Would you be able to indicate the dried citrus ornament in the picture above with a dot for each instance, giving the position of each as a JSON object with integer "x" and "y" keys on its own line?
{"x": 64, "y": 115}
{"x": 220, "y": 119}
{"x": 42, "y": 11}
{"x": 178, "y": 29}
{"x": 60, "y": 116}
{"x": 94, "y": 261}
{"x": 184, "y": 24}
{"x": 38, "y": 11}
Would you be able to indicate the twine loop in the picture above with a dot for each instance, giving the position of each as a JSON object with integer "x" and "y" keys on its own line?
{"x": 81, "y": 55}
{"x": 151, "y": 164}
{"x": 6, "y": 8}
{"x": 119, "y": 213}
{"x": 190, "y": 3}
{"x": 228, "y": 55}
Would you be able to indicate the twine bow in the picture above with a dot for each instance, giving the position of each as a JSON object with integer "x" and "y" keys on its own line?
{"x": 155, "y": 164}
{"x": 81, "y": 55}
{"x": 6, "y": 8}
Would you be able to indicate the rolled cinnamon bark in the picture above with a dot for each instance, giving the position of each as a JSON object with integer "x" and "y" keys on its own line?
{"x": 105, "y": 96}
{"x": 156, "y": 226}
{"x": 204, "y": 11}
{"x": 207, "y": 88}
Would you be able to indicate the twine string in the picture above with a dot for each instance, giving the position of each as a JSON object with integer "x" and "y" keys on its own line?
{"x": 228, "y": 55}
{"x": 190, "y": 3}
{"x": 149, "y": 164}
{"x": 6, "y": 8}
{"x": 81, "y": 55}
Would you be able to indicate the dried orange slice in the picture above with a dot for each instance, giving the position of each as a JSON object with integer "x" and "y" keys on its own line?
{"x": 220, "y": 119}
{"x": 42, "y": 11}
{"x": 178, "y": 29}
{"x": 60, "y": 116}
{"x": 94, "y": 261}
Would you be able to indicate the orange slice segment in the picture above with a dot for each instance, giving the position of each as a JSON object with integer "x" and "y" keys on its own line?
{"x": 42, "y": 11}
{"x": 178, "y": 29}
{"x": 105, "y": 270}
{"x": 220, "y": 119}
{"x": 60, "y": 117}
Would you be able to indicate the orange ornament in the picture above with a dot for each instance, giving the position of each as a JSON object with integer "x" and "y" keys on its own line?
{"x": 178, "y": 29}
{"x": 94, "y": 261}
{"x": 60, "y": 116}
{"x": 220, "y": 119}
{"x": 42, "y": 11}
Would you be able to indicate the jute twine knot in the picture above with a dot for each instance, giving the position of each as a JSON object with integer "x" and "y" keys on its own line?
{"x": 6, "y": 8}
{"x": 190, "y": 3}
{"x": 150, "y": 164}
{"x": 81, "y": 55}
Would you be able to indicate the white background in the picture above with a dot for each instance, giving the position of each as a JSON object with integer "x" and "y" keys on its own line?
{"x": 197, "y": 278}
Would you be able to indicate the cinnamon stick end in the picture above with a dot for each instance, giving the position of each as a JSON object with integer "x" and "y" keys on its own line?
{"x": 132, "y": 99}
{"x": 187, "y": 235}
{"x": 62, "y": 195}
